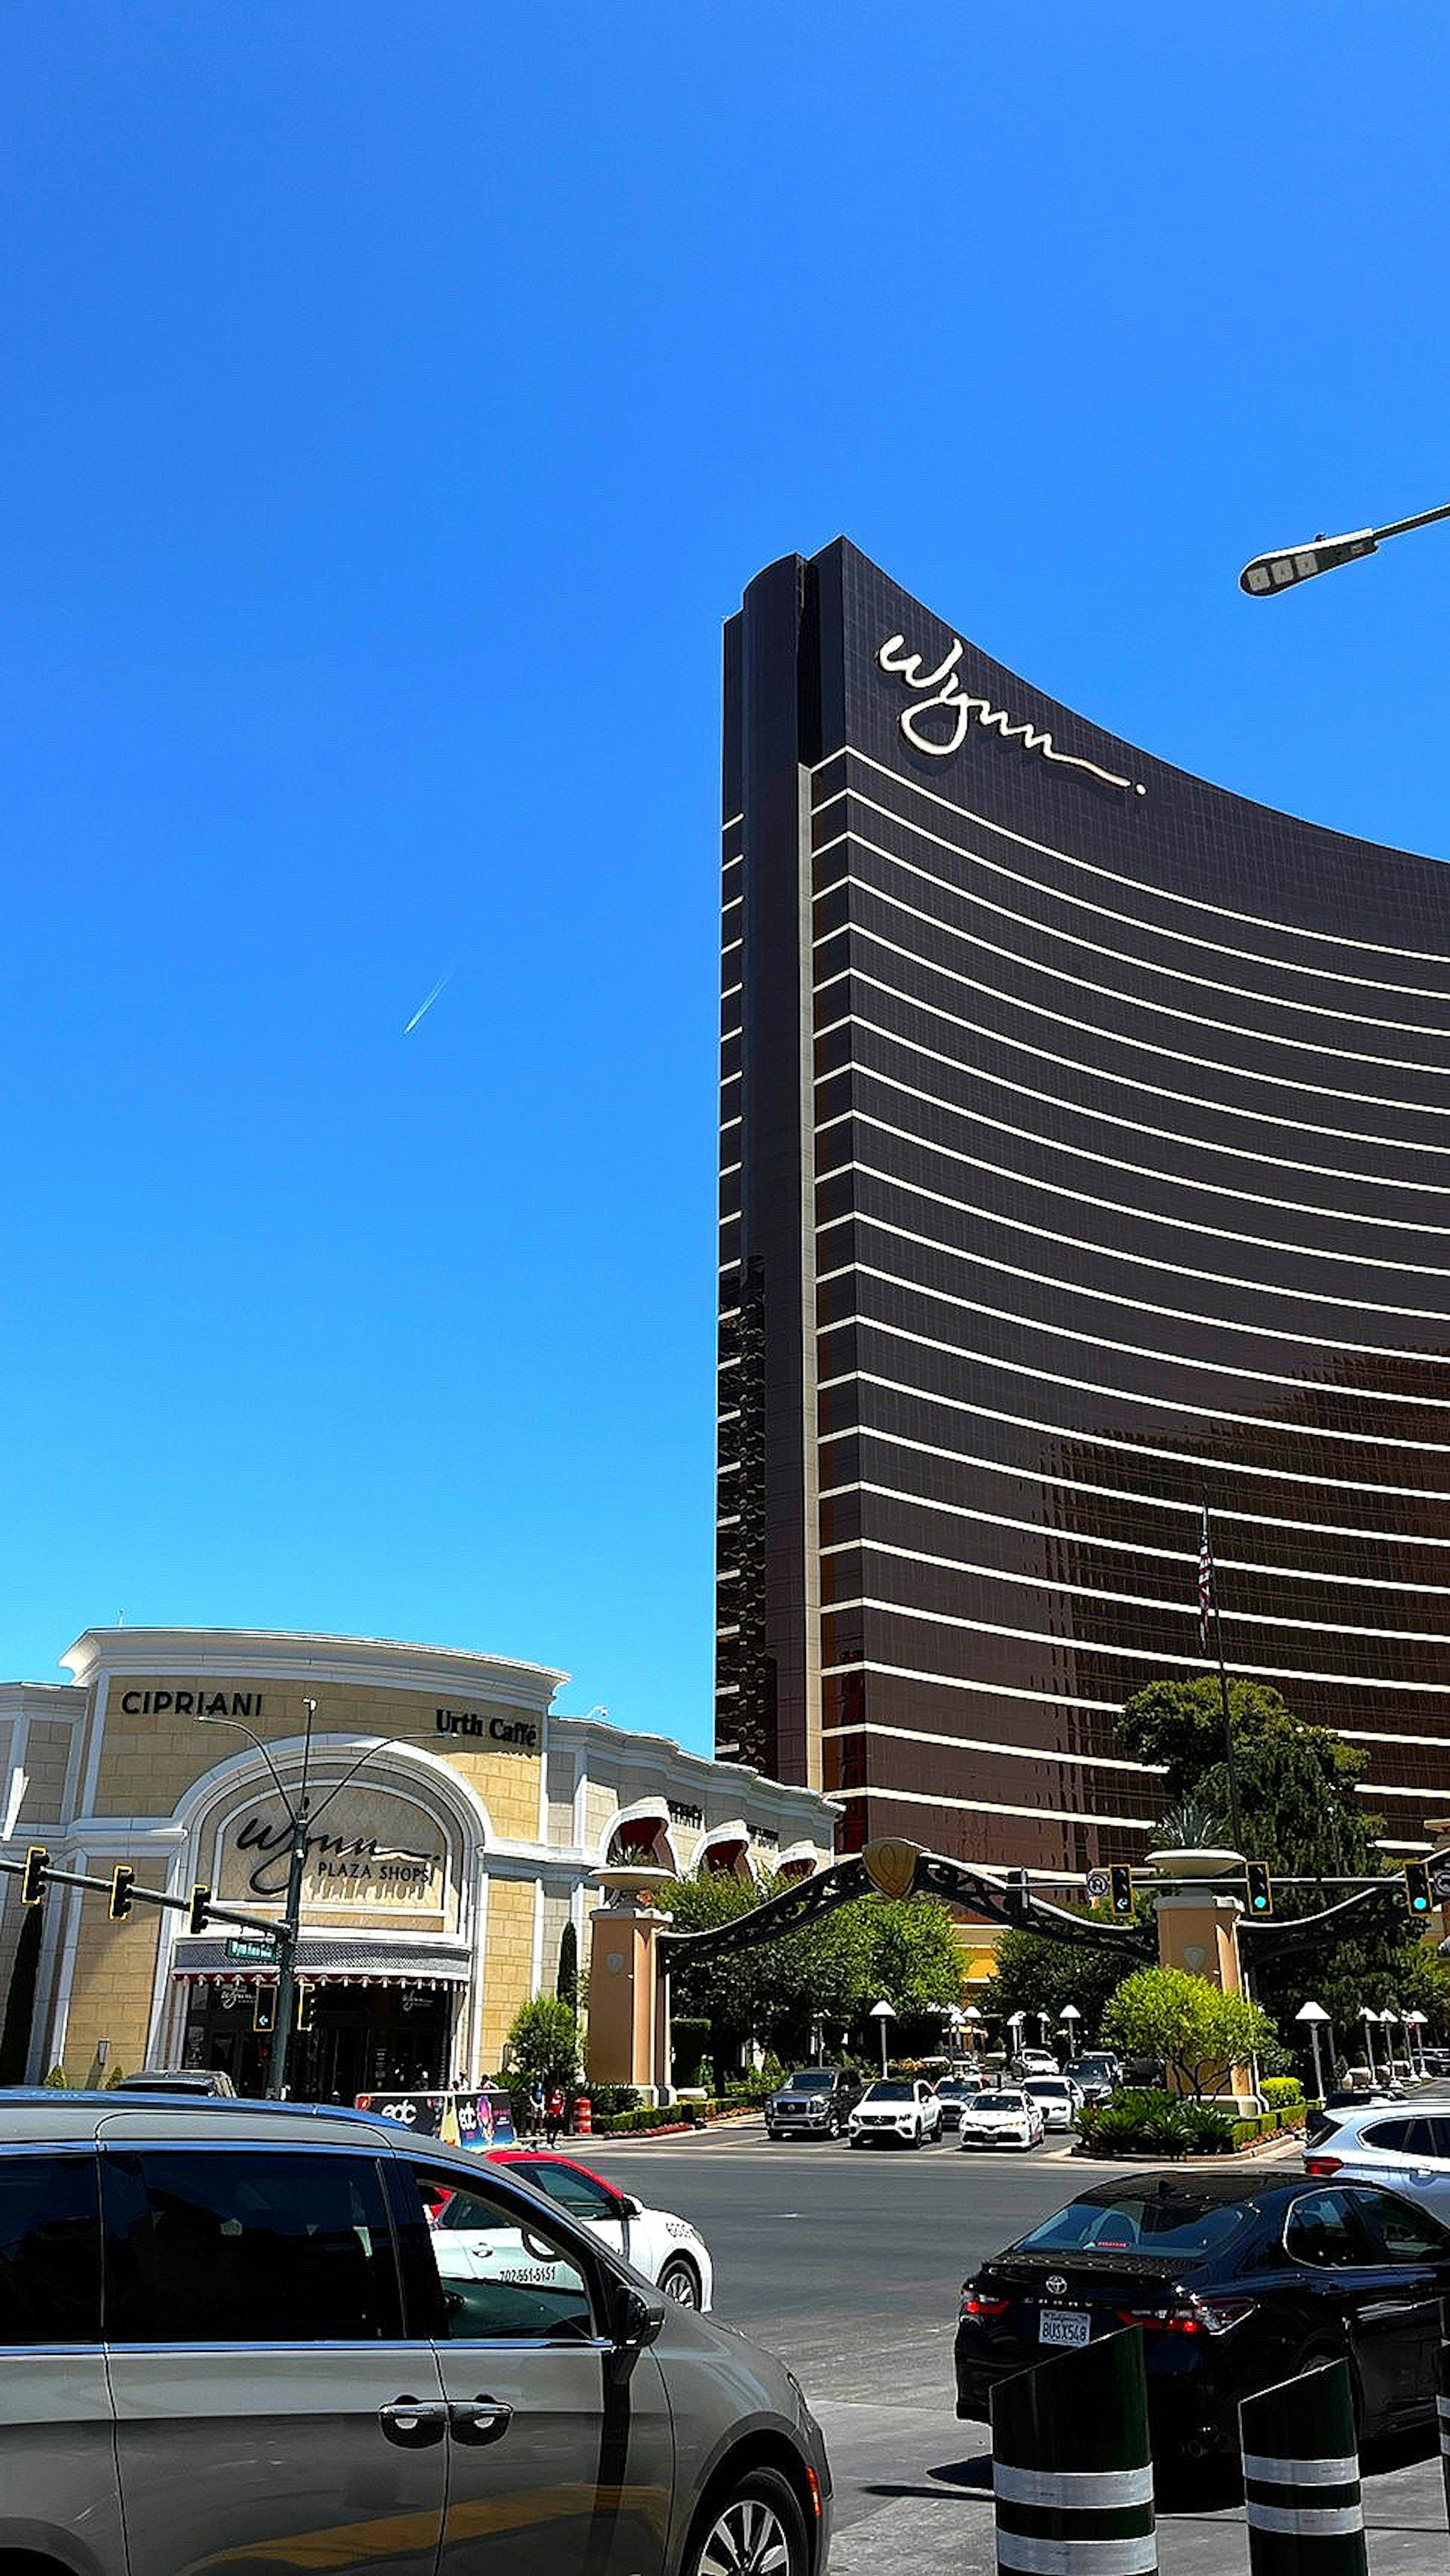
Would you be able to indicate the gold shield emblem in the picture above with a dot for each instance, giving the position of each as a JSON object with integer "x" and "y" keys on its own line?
{"x": 891, "y": 1865}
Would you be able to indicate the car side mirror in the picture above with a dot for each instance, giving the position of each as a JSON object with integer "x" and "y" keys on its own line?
{"x": 629, "y": 2207}
{"x": 637, "y": 2320}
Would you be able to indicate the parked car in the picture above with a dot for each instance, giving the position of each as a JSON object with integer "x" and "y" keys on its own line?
{"x": 298, "y": 2369}
{"x": 952, "y": 2092}
{"x": 668, "y": 2250}
{"x": 816, "y": 2103}
{"x": 1322, "y": 2118}
{"x": 899, "y": 2110}
{"x": 1057, "y": 2097}
{"x": 1407, "y": 2151}
{"x": 1005, "y": 2117}
{"x": 1097, "y": 2075}
{"x": 1239, "y": 2280}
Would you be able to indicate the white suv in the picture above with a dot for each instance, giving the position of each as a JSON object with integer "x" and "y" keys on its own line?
{"x": 1406, "y": 2151}
{"x": 897, "y": 2108}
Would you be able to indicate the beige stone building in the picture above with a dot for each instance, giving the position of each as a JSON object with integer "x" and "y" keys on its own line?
{"x": 440, "y": 1875}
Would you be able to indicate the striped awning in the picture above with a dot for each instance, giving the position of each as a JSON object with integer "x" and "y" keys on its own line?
{"x": 342, "y": 1959}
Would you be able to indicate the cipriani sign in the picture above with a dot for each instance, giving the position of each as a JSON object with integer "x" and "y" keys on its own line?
{"x": 942, "y": 689}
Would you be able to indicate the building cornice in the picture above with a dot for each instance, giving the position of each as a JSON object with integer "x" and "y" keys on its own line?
{"x": 292, "y": 1656}
{"x": 684, "y": 1765}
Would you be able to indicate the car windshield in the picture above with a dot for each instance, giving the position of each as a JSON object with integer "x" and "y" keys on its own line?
{"x": 999, "y": 2102}
{"x": 890, "y": 2093}
{"x": 811, "y": 2079}
{"x": 1143, "y": 2222}
{"x": 955, "y": 2084}
{"x": 1045, "y": 2084}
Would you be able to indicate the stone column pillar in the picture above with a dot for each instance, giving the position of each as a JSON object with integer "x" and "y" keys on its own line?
{"x": 628, "y": 2033}
{"x": 1198, "y": 1930}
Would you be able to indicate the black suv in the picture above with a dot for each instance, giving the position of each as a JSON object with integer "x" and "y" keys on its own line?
{"x": 816, "y": 2103}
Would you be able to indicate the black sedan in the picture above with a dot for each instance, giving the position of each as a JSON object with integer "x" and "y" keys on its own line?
{"x": 1238, "y": 2280}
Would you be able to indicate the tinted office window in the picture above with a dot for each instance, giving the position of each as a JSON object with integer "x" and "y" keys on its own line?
{"x": 50, "y": 2250}
{"x": 501, "y": 2275}
{"x": 248, "y": 2248}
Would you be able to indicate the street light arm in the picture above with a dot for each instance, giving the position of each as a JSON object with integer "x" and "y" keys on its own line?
{"x": 338, "y": 1786}
{"x": 236, "y": 1723}
{"x": 1286, "y": 566}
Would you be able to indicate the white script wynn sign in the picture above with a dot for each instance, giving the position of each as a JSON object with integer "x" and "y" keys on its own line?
{"x": 964, "y": 711}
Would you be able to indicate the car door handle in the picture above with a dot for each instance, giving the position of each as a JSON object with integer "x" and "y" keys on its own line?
{"x": 412, "y": 2424}
{"x": 480, "y": 2421}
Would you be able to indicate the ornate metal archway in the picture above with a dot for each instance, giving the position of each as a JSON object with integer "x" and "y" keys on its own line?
{"x": 897, "y": 1868}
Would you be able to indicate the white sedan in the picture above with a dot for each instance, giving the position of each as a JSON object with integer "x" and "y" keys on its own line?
{"x": 1007, "y": 2118}
{"x": 667, "y": 2249}
{"x": 1057, "y": 2097}
{"x": 905, "y": 2112}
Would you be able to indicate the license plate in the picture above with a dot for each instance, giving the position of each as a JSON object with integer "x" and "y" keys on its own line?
{"x": 1062, "y": 2326}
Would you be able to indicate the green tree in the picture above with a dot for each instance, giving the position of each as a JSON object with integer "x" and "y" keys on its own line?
{"x": 1032, "y": 1972}
{"x": 914, "y": 1960}
{"x": 1198, "y": 2031}
{"x": 827, "y": 1973}
{"x": 1303, "y": 1815}
{"x": 544, "y": 2041}
{"x": 566, "y": 1984}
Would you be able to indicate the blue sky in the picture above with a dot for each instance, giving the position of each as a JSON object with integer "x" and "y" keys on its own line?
{"x": 396, "y": 402}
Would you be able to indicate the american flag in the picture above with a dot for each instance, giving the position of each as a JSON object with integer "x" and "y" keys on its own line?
{"x": 1205, "y": 1587}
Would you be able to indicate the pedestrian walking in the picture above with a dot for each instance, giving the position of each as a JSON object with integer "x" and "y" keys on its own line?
{"x": 554, "y": 2114}
{"x": 536, "y": 2108}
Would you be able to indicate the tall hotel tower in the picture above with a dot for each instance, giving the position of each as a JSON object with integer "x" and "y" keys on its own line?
{"x": 1085, "y": 1153}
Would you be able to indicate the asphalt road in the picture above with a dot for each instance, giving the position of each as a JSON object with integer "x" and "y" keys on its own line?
{"x": 849, "y": 2264}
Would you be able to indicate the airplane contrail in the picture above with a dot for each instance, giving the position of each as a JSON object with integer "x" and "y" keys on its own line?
{"x": 427, "y": 1003}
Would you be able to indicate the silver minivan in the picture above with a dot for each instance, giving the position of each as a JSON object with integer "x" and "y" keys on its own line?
{"x": 230, "y": 2338}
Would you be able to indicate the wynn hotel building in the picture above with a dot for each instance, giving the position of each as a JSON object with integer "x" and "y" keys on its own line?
{"x": 1085, "y": 1152}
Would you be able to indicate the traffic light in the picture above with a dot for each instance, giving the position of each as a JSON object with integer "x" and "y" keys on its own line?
{"x": 196, "y": 1921}
{"x": 1120, "y": 1884}
{"x": 123, "y": 1879}
{"x": 1418, "y": 1897}
{"x": 1261, "y": 1893}
{"x": 34, "y": 1874}
{"x": 264, "y": 2008}
{"x": 306, "y": 2002}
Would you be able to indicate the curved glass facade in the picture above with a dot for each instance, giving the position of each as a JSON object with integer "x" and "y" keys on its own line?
{"x": 1085, "y": 1155}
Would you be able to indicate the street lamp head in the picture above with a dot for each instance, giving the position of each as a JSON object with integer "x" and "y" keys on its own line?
{"x": 1288, "y": 565}
{"x": 1311, "y": 2012}
{"x": 1069, "y": 2012}
{"x": 882, "y": 2011}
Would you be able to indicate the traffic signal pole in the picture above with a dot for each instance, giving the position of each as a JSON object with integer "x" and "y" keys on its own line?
{"x": 143, "y": 1896}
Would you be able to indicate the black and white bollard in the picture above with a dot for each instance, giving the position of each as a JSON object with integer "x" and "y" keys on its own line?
{"x": 1071, "y": 2466}
{"x": 1301, "y": 2477}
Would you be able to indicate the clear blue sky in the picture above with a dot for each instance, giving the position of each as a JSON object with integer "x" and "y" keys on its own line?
{"x": 396, "y": 401}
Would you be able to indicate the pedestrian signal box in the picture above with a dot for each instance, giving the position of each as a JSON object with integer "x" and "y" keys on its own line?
{"x": 1418, "y": 1897}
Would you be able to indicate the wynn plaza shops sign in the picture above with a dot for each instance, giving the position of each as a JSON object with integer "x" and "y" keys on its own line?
{"x": 373, "y": 1852}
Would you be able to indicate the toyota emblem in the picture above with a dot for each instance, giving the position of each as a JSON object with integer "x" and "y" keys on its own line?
{"x": 1056, "y": 2284}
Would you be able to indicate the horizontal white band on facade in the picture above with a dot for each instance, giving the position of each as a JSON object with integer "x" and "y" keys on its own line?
{"x": 1146, "y": 1172}
{"x": 1018, "y": 1752}
{"x": 1382, "y": 1788}
{"x": 1115, "y": 876}
{"x": 1103, "y": 911}
{"x": 1165, "y": 1404}
{"x": 997, "y": 1807}
{"x": 1121, "y": 1209}
{"x": 1068, "y": 1699}
{"x": 1072, "y": 2490}
{"x": 1127, "y": 1546}
{"x": 1131, "y": 1126}
{"x": 1173, "y": 1055}
{"x": 1129, "y": 1001}
{"x": 1120, "y": 1654}
{"x": 857, "y": 1021}
{"x": 1185, "y": 1609}
{"x": 1129, "y": 1350}
{"x": 1268, "y": 2470}
{"x": 728, "y": 993}
{"x": 1115, "y": 1297}
{"x": 1105, "y": 1252}
{"x": 1135, "y": 1449}
{"x": 732, "y": 819}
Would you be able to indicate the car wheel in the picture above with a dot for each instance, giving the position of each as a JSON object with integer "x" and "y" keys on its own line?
{"x": 680, "y": 2281}
{"x": 1315, "y": 2358}
{"x": 756, "y": 2529}
{"x": 918, "y": 2136}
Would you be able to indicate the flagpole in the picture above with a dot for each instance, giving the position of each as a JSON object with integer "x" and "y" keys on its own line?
{"x": 1236, "y": 1830}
